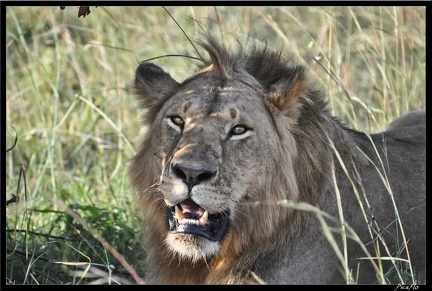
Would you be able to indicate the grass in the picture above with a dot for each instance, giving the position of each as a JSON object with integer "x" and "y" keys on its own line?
{"x": 69, "y": 102}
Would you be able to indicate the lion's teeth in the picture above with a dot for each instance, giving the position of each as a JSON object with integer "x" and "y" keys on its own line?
{"x": 181, "y": 218}
{"x": 203, "y": 219}
{"x": 179, "y": 214}
{"x": 188, "y": 221}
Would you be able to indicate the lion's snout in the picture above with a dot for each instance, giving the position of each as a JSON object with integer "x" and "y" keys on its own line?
{"x": 192, "y": 176}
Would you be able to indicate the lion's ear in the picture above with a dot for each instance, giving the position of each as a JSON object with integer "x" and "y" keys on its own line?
{"x": 286, "y": 93}
{"x": 153, "y": 86}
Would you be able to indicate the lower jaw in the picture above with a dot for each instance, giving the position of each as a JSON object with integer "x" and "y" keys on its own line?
{"x": 191, "y": 246}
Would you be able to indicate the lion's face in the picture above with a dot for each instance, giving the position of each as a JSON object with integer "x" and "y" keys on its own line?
{"x": 212, "y": 145}
{"x": 214, "y": 163}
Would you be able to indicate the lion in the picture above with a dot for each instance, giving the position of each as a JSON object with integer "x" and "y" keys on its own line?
{"x": 244, "y": 177}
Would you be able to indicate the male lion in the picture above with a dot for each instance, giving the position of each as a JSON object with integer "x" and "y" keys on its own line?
{"x": 242, "y": 166}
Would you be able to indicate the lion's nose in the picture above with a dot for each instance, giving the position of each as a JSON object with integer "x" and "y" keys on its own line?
{"x": 192, "y": 177}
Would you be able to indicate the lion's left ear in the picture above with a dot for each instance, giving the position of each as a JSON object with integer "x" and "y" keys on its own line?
{"x": 287, "y": 92}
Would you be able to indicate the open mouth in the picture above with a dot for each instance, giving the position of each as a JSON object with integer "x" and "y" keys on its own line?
{"x": 188, "y": 217}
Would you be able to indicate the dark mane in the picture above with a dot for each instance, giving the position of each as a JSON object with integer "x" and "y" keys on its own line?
{"x": 265, "y": 65}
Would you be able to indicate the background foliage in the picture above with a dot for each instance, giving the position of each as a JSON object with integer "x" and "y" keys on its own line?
{"x": 69, "y": 103}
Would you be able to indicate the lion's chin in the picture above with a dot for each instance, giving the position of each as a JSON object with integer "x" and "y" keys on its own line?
{"x": 189, "y": 246}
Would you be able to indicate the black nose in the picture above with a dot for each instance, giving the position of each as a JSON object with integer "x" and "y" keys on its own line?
{"x": 192, "y": 177}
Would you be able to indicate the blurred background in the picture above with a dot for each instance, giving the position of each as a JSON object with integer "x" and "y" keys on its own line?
{"x": 72, "y": 123}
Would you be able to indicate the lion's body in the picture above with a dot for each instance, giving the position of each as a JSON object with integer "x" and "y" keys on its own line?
{"x": 241, "y": 140}
{"x": 412, "y": 118}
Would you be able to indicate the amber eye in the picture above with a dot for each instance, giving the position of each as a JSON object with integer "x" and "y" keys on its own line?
{"x": 238, "y": 130}
{"x": 177, "y": 120}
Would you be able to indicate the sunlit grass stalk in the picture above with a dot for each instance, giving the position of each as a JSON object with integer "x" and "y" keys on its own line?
{"x": 355, "y": 190}
{"x": 342, "y": 223}
{"x": 386, "y": 183}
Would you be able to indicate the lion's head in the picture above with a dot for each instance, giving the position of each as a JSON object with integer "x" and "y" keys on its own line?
{"x": 220, "y": 152}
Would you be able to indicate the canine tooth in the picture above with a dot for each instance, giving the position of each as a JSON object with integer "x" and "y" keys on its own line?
{"x": 203, "y": 219}
{"x": 179, "y": 214}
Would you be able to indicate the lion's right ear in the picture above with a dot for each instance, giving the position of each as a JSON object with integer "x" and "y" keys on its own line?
{"x": 287, "y": 92}
{"x": 153, "y": 86}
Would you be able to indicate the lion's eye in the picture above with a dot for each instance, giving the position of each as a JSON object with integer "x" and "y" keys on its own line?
{"x": 239, "y": 132}
{"x": 176, "y": 122}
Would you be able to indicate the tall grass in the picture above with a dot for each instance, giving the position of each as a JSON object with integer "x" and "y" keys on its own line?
{"x": 69, "y": 99}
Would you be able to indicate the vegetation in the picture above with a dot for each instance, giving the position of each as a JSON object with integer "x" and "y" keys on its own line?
{"x": 71, "y": 216}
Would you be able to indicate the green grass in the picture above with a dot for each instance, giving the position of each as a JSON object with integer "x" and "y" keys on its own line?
{"x": 68, "y": 89}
